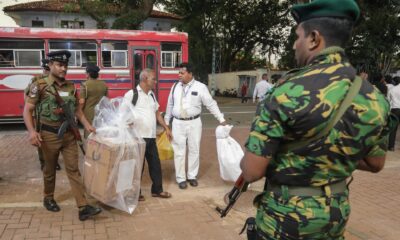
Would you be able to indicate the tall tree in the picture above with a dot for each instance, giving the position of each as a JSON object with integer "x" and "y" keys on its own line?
{"x": 375, "y": 45}
{"x": 236, "y": 28}
{"x": 128, "y": 14}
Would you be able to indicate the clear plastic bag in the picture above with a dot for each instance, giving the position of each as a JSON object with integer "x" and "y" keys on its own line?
{"x": 230, "y": 154}
{"x": 114, "y": 156}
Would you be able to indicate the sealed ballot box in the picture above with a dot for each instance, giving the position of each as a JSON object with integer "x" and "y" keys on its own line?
{"x": 112, "y": 171}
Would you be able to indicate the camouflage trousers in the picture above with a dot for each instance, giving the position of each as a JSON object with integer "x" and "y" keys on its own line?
{"x": 302, "y": 217}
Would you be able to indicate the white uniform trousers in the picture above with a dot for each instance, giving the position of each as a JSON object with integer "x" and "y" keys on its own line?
{"x": 186, "y": 131}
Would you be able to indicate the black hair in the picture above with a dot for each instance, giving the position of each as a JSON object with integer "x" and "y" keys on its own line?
{"x": 188, "y": 66}
{"x": 336, "y": 31}
{"x": 93, "y": 75}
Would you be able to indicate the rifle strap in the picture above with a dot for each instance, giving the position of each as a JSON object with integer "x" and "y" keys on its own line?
{"x": 352, "y": 92}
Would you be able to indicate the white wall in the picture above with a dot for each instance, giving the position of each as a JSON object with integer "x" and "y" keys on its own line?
{"x": 53, "y": 20}
{"x": 230, "y": 80}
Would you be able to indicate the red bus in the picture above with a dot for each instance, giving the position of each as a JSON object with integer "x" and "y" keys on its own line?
{"x": 120, "y": 54}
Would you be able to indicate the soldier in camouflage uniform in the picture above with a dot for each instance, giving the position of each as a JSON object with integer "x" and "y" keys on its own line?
{"x": 42, "y": 94}
{"x": 306, "y": 195}
{"x": 46, "y": 69}
{"x": 92, "y": 90}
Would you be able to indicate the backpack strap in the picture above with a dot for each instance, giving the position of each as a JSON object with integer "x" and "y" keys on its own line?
{"x": 173, "y": 91}
{"x": 135, "y": 96}
{"x": 353, "y": 91}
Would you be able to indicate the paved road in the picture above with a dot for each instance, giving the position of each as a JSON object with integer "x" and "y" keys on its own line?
{"x": 189, "y": 214}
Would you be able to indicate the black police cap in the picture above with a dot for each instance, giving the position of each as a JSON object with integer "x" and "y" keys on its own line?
{"x": 45, "y": 64}
{"x": 90, "y": 68}
{"x": 59, "y": 56}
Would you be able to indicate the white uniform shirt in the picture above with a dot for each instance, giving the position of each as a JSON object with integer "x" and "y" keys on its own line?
{"x": 187, "y": 101}
{"x": 145, "y": 112}
{"x": 261, "y": 89}
{"x": 394, "y": 96}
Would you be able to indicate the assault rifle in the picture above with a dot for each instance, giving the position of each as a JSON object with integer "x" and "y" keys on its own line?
{"x": 69, "y": 121}
{"x": 240, "y": 187}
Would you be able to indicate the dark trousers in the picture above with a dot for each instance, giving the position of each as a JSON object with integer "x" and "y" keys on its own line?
{"x": 153, "y": 161}
{"x": 392, "y": 136}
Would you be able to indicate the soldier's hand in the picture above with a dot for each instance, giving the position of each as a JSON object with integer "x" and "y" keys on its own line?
{"x": 35, "y": 139}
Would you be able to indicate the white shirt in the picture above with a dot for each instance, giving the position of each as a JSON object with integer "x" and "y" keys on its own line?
{"x": 145, "y": 112}
{"x": 394, "y": 96}
{"x": 187, "y": 101}
{"x": 261, "y": 89}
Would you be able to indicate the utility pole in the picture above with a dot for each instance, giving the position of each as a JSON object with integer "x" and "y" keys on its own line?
{"x": 213, "y": 71}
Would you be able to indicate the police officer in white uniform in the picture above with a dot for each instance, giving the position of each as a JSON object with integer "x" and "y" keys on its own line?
{"x": 261, "y": 88}
{"x": 184, "y": 106}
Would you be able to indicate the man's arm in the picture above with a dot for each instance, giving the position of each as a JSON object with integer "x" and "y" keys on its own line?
{"x": 88, "y": 126}
{"x": 168, "y": 110}
{"x": 253, "y": 166}
{"x": 255, "y": 93}
{"x": 161, "y": 121}
{"x": 372, "y": 164}
{"x": 211, "y": 105}
{"x": 34, "y": 137}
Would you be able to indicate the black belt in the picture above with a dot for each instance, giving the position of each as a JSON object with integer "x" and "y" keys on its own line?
{"x": 49, "y": 128}
{"x": 189, "y": 118}
{"x": 334, "y": 188}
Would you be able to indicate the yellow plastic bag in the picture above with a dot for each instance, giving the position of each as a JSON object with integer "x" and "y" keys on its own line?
{"x": 165, "y": 151}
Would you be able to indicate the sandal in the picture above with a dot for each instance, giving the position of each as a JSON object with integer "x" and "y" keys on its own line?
{"x": 141, "y": 198}
{"x": 162, "y": 195}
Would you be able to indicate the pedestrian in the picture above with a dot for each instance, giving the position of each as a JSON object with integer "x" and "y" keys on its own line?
{"x": 243, "y": 91}
{"x": 394, "y": 99}
{"x": 184, "y": 106}
{"x": 306, "y": 196}
{"x": 147, "y": 116}
{"x": 42, "y": 93}
{"x": 261, "y": 88}
{"x": 45, "y": 73}
{"x": 92, "y": 90}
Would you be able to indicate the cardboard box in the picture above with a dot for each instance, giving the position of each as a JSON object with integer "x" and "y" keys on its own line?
{"x": 103, "y": 177}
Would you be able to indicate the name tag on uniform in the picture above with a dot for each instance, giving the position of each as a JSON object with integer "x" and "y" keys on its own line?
{"x": 194, "y": 93}
{"x": 63, "y": 94}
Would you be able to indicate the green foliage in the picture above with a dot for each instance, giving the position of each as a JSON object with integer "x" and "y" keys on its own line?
{"x": 129, "y": 14}
{"x": 237, "y": 28}
{"x": 375, "y": 44}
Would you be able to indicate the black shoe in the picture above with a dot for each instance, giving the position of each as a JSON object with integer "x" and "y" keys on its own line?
{"x": 58, "y": 167}
{"x": 51, "y": 205}
{"x": 193, "y": 182}
{"x": 182, "y": 185}
{"x": 88, "y": 211}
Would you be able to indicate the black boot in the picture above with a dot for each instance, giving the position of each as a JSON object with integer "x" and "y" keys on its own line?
{"x": 51, "y": 205}
{"x": 88, "y": 211}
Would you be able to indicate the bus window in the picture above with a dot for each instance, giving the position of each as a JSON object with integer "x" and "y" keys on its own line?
{"x": 171, "y": 55}
{"x": 114, "y": 54}
{"x": 82, "y": 53}
{"x": 150, "y": 61}
{"x": 14, "y": 53}
{"x": 138, "y": 63}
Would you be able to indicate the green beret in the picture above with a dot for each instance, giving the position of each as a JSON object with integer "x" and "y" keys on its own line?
{"x": 326, "y": 8}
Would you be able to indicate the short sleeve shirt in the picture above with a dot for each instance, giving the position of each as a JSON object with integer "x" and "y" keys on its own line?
{"x": 302, "y": 106}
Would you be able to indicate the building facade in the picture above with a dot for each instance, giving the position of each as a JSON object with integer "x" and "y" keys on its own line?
{"x": 54, "y": 14}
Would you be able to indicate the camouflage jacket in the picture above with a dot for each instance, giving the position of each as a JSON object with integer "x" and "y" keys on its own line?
{"x": 302, "y": 106}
